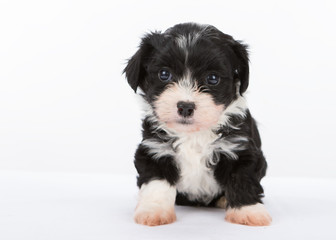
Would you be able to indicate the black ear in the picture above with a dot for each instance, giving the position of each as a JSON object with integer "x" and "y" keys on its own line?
{"x": 241, "y": 71}
{"x": 136, "y": 67}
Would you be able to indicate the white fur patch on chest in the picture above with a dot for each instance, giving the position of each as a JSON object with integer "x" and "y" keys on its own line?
{"x": 193, "y": 152}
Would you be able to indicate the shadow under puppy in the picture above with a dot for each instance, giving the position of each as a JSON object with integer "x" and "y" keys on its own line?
{"x": 200, "y": 144}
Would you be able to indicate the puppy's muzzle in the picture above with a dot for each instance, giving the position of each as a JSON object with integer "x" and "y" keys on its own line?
{"x": 185, "y": 109}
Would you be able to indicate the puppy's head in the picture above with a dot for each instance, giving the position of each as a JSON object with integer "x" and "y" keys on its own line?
{"x": 189, "y": 75}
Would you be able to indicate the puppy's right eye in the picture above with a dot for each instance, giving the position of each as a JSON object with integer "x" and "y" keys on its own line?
{"x": 165, "y": 75}
{"x": 212, "y": 79}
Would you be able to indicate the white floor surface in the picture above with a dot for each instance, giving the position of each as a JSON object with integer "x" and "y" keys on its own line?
{"x": 66, "y": 206}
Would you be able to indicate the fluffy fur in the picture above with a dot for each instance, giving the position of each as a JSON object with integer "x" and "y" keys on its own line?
{"x": 211, "y": 156}
{"x": 156, "y": 203}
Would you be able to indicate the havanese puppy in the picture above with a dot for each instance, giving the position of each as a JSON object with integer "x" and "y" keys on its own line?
{"x": 200, "y": 146}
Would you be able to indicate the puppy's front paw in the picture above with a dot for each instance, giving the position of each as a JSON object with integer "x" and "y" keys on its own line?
{"x": 254, "y": 215}
{"x": 156, "y": 203}
{"x": 154, "y": 217}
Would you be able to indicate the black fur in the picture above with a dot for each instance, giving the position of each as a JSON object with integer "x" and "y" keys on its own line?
{"x": 149, "y": 168}
{"x": 214, "y": 52}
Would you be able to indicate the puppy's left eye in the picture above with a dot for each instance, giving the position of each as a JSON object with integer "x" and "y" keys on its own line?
{"x": 165, "y": 75}
{"x": 212, "y": 79}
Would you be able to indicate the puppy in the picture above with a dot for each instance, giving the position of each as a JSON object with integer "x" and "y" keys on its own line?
{"x": 200, "y": 146}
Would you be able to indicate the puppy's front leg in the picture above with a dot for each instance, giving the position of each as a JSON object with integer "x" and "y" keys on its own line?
{"x": 156, "y": 203}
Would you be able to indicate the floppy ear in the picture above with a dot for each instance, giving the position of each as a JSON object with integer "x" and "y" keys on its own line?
{"x": 241, "y": 73}
{"x": 136, "y": 67}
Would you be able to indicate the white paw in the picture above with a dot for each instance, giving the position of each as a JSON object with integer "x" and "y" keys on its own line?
{"x": 154, "y": 217}
{"x": 253, "y": 215}
{"x": 156, "y": 204}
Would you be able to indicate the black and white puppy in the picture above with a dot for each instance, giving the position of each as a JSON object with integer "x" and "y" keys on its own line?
{"x": 200, "y": 144}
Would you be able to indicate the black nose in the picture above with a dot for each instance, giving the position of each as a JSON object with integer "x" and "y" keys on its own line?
{"x": 185, "y": 109}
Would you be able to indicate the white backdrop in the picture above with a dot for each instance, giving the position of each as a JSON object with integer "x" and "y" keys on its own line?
{"x": 65, "y": 106}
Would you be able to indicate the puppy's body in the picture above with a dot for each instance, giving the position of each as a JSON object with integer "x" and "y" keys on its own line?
{"x": 200, "y": 143}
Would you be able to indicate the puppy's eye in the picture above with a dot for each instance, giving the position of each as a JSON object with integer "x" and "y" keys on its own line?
{"x": 165, "y": 75}
{"x": 212, "y": 79}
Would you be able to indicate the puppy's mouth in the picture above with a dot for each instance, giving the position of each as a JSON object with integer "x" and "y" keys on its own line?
{"x": 185, "y": 121}
{"x": 183, "y": 125}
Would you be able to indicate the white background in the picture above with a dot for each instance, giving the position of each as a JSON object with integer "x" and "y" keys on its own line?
{"x": 65, "y": 105}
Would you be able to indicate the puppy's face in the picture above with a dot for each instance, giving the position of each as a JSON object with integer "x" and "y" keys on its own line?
{"x": 189, "y": 75}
